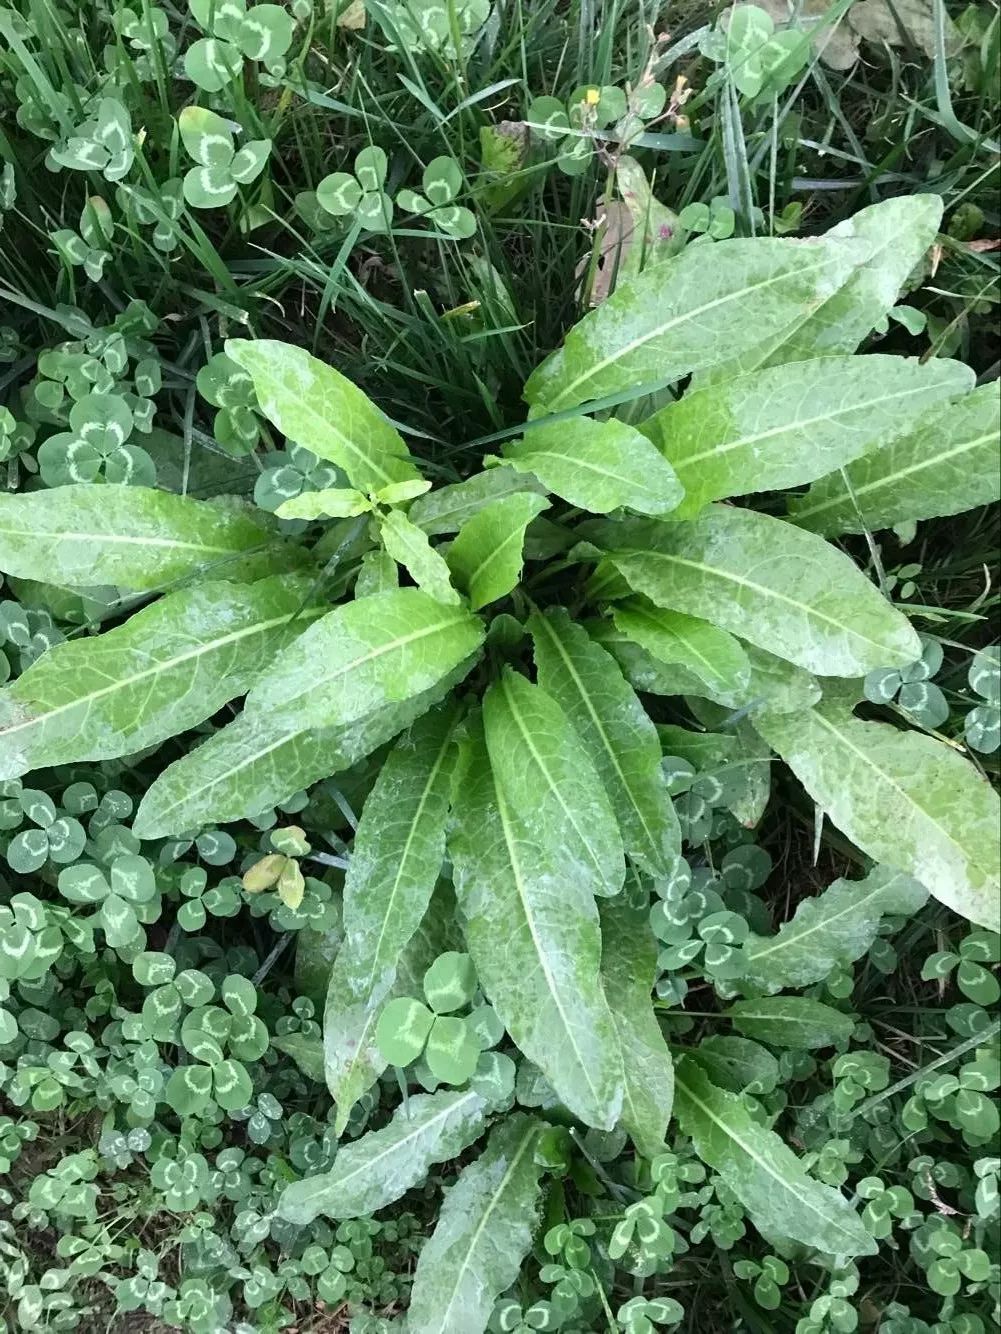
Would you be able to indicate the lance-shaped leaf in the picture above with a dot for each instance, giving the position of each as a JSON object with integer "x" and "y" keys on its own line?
{"x": 131, "y": 536}
{"x": 688, "y": 315}
{"x": 532, "y": 932}
{"x": 792, "y": 424}
{"x": 756, "y": 577}
{"x": 764, "y": 1174}
{"x": 257, "y": 761}
{"x": 599, "y": 466}
{"x": 896, "y": 234}
{"x": 709, "y": 657}
{"x": 829, "y": 931}
{"x": 409, "y": 545}
{"x": 486, "y": 557}
{"x": 628, "y": 971}
{"x": 382, "y": 1165}
{"x": 905, "y": 799}
{"x": 364, "y": 655}
{"x": 550, "y": 782}
{"x": 736, "y": 1063}
{"x": 791, "y": 1021}
{"x": 616, "y": 732}
{"x": 315, "y": 406}
{"x": 351, "y": 1056}
{"x": 169, "y": 667}
{"x": 484, "y": 1232}
{"x": 396, "y": 858}
{"x": 947, "y": 463}
{"x": 447, "y": 508}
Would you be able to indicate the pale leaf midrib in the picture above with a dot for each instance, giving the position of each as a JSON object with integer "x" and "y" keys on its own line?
{"x": 718, "y": 450}
{"x": 527, "y": 1139}
{"x": 164, "y": 665}
{"x": 805, "y": 511}
{"x": 606, "y": 742}
{"x": 529, "y": 917}
{"x": 685, "y": 317}
{"x": 716, "y": 572}
{"x": 550, "y": 781}
{"x": 870, "y": 763}
{"x": 761, "y": 1162}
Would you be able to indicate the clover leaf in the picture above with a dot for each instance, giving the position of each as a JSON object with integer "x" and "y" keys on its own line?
{"x": 220, "y": 167}
{"x": 982, "y": 725}
{"x": 88, "y": 247}
{"x": 229, "y": 388}
{"x": 442, "y": 182}
{"x": 263, "y": 34}
{"x": 55, "y": 838}
{"x": 127, "y": 895}
{"x": 912, "y": 686}
{"x": 407, "y": 1028}
{"x": 361, "y": 194}
{"x": 96, "y": 448}
{"x": 160, "y": 210}
{"x": 101, "y": 143}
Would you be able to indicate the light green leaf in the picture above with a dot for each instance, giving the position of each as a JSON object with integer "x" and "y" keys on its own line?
{"x": 829, "y": 931}
{"x": 447, "y": 508}
{"x": 946, "y": 464}
{"x": 711, "y": 656}
{"x": 315, "y": 406}
{"x": 550, "y": 783}
{"x": 616, "y": 732}
{"x": 306, "y": 1051}
{"x": 735, "y": 1063}
{"x": 792, "y": 424}
{"x": 169, "y": 667}
{"x": 764, "y": 1174}
{"x": 895, "y": 236}
{"x": 628, "y": 971}
{"x": 409, "y": 545}
{"x": 688, "y": 315}
{"x": 532, "y": 932}
{"x": 364, "y": 655}
{"x": 598, "y": 466}
{"x": 905, "y": 799}
{"x": 352, "y": 1060}
{"x": 756, "y": 577}
{"x": 486, "y": 557}
{"x": 396, "y": 858}
{"x": 331, "y": 503}
{"x": 378, "y": 1168}
{"x": 791, "y": 1021}
{"x": 131, "y": 536}
{"x": 484, "y": 1231}
{"x": 256, "y": 762}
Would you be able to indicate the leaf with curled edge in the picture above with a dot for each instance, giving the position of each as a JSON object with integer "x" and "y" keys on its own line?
{"x": 790, "y": 424}
{"x": 396, "y": 858}
{"x": 755, "y": 577}
{"x": 318, "y": 408}
{"x": 762, "y": 1171}
{"x": 131, "y": 536}
{"x": 372, "y": 653}
{"x": 615, "y": 731}
{"x": 628, "y": 971}
{"x": 832, "y": 930}
{"x": 904, "y": 798}
{"x": 483, "y": 1233}
{"x": 946, "y": 463}
{"x": 688, "y": 315}
{"x": 533, "y": 935}
{"x": 257, "y": 761}
{"x": 168, "y": 668}
{"x": 371, "y": 1172}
